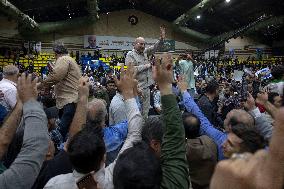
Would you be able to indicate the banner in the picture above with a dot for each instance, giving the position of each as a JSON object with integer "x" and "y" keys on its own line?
{"x": 122, "y": 43}
{"x": 32, "y": 46}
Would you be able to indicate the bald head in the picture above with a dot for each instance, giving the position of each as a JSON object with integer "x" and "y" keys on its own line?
{"x": 139, "y": 44}
{"x": 237, "y": 116}
{"x": 97, "y": 111}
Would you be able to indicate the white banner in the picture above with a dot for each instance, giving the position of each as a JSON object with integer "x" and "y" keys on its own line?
{"x": 112, "y": 42}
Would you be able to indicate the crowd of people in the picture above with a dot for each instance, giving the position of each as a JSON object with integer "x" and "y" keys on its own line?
{"x": 191, "y": 124}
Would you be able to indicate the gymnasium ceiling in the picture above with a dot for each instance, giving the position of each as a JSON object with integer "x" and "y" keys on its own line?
{"x": 217, "y": 16}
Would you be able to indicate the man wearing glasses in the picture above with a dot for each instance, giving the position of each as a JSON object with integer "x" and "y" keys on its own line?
{"x": 139, "y": 57}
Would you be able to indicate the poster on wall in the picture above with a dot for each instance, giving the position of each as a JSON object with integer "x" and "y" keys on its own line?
{"x": 122, "y": 43}
{"x": 33, "y": 46}
{"x": 90, "y": 42}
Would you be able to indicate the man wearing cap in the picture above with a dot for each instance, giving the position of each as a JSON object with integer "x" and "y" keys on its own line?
{"x": 65, "y": 78}
{"x": 8, "y": 84}
{"x": 139, "y": 56}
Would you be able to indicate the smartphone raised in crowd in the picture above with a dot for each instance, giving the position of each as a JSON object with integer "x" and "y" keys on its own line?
{"x": 87, "y": 182}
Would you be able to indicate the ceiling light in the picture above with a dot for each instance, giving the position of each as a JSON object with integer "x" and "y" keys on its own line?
{"x": 198, "y": 16}
{"x": 228, "y": 1}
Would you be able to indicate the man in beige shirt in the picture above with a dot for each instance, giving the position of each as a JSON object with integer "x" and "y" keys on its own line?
{"x": 65, "y": 78}
{"x": 139, "y": 56}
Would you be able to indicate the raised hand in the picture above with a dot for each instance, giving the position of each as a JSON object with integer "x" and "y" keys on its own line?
{"x": 182, "y": 84}
{"x": 84, "y": 87}
{"x": 163, "y": 73}
{"x": 127, "y": 83}
{"x": 27, "y": 89}
{"x": 264, "y": 169}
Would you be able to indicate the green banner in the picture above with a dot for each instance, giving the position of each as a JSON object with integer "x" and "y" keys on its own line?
{"x": 169, "y": 45}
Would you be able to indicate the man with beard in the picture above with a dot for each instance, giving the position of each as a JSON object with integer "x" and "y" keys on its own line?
{"x": 139, "y": 56}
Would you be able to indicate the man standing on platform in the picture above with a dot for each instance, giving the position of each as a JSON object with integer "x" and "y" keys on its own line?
{"x": 139, "y": 57}
{"x": 65, "y": 76}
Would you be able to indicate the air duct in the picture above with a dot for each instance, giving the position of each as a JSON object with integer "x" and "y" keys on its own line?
{"x": 49, "y": 27}
{"x": 24, "y": 20}
{"x": 259, "y": 24}
{"x": 192, "y": 34}
{"x": 196, "y": 10}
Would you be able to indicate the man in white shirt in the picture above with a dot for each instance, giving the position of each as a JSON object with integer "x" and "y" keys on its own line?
{"x": 8, "y": 87}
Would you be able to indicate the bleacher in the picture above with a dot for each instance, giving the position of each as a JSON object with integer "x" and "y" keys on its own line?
{"x": 40, "y": 61}
{"x": 255, "y": 62}
{"x": 108, "y": 60}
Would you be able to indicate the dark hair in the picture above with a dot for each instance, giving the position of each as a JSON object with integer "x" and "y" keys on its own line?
{"x": 137, "y": 168}
{"x": 86, "y": 151}
{"x": 277, "y": 72}
{"x": 153, "y": 129}
{"x": 110, "y": 81}
{"x": 212, "y": 86}
{"x": 109, "y": 71}
{"x": 271, "y": 96}
{"x": 252, "y": 140}
{"x": 94, "y": 126}
{"x": 250, "y": 122}
{"x": 191, "y": 129}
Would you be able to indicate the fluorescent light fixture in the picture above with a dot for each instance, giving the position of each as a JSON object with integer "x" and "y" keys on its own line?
{"x": 228, "y": 1}
{"x": 198, "y": 16}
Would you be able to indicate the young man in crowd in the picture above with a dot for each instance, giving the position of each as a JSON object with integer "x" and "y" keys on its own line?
{"x": 264, "y": 169}
{"x": 208, "y": 103}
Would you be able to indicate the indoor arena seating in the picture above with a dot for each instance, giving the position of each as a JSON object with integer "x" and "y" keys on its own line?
{"x": 38, "y": 61}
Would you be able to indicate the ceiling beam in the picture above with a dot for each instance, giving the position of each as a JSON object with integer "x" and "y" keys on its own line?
{"x": 192, "y": 34}
{"x": 93, "y": 8}
{"x": 36, "y": 4}
{"x": 194, "y": 11}
{"x": 49, "y": 27}
{"x": 13, "y": 12}
{"x": 245, "y": 30}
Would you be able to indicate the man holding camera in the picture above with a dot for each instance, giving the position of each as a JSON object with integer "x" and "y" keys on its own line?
{"x": 139, "y": 57}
